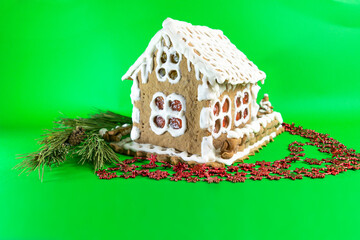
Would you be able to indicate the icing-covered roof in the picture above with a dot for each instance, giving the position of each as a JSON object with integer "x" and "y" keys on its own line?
{"x": 209, "y": 50}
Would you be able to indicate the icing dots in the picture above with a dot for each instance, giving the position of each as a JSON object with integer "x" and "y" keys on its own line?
{"x": 242, "y": 109}
{"x": 168, "y": 114}
{"x": 221, "y": 114}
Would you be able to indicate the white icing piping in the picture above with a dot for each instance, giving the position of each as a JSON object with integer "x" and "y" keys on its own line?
{"x": 135, "y": 133}
{"x": 254, "y": 106}
{"x": 135, "y": 115}
{"x": 172, "y": 62}
{"x": 210, "y": 157}
{"x": 218, "y": 59}
{"x": 221, "y": 117}
{"x": 255, "y": 126}
{"x": 206, "y": 118}
{"x": 167, "y": 113}
{"x": 242, "y": 106}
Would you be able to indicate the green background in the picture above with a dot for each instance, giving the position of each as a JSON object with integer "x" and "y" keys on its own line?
{"x": 68, "y": 56}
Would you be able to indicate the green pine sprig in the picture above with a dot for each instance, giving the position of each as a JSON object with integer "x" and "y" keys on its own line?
{"x": 56, "y": 146}
{"x": 96, "y": 151}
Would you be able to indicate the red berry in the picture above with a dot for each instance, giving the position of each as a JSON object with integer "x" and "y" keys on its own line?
{"x": 246, "y": 98}
{"x": 216, "y": 109}
{"x": 175, "y": 123}
{"x": 176, "y": 105}
{"x": 238, "y": 116}
{"x": 226, "y": 122}
{"x": 159, "y": 102}
{"x": 225, "y": 107}
{"x": 238, "y": 101}
{"x": 159, "y": 121}
{"x": 217, "y": 126}
{"x": 245, "y": 113}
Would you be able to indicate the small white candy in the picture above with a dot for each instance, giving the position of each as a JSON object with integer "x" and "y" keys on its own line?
{"x": 102, "y": 131}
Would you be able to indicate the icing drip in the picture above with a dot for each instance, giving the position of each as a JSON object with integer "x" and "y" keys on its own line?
{"x": 205, "y": 118}
{"x": 136, "y": 115}
{"x": 135, "y": 91}
{"x": 254, "y": 106}
{"x": 207, "y": 149}
{"x": 135, "y": 133}
{"x": 189, "y": 65}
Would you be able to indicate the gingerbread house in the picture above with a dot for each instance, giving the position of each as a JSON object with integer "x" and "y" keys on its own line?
{"x": 194, "y": 97}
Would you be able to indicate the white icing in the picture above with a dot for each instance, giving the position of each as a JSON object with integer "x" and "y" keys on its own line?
{"x": 210, "y": 52}
{"x": 208, "y": 156}
{"x": 102, "y": 131}
{"x": 189, "y": 65}
{"x": 135, "y": 133}
{"x": 205, "y": 118}
{"x": 135, "y": 91}
{"x": 242, "y": 107}
{"x": 205, "y": 92}
{"x": 207, "y": 149}
{"x": 167, "y": 113}
{"x": 254, "y": 106}
{"x": 125, "y": 125}
{"x": 255, "y": 126}
{"x": 135, "y": 115}
{"x": 169, "y": 65}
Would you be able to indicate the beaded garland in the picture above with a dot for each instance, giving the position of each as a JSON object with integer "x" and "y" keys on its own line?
{"x": 341, "y": 159}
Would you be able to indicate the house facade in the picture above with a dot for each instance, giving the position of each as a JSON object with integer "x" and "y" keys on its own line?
{"x": 194, "y": 96}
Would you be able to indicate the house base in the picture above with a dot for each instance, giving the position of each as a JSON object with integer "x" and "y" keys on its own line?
{"x": 128, "y": 147}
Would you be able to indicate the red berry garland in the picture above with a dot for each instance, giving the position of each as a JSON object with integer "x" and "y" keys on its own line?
{"x": 340, "y": 160}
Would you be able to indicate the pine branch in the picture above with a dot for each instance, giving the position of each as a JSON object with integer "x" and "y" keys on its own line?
{"x": 53, "y": 152}
{"x": 64, "y": 139}
{"x": 97, "y": 121}
{"x": 96, "y": 151}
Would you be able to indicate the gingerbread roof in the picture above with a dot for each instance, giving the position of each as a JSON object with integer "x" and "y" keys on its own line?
{"x": 209, "y": 50}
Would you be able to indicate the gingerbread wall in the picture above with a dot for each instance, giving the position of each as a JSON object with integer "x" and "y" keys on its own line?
{"x": 187, "y": 86}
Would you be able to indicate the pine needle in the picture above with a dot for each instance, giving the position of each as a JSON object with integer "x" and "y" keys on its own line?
{"x": 53, "y": 152}
{"x": 96, "y": 151}
{"x": 97, "y": 121}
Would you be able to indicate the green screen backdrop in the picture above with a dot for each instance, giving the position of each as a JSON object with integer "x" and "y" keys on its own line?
{"x": 68, "y": 56}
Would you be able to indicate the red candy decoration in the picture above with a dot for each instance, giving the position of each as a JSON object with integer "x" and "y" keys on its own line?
{"x": 159, "y": 102}
{"x": 217, "y": 126}
{"x": 216, "y": 109}
{"x": 176, "y": 105}
{"x": 341, "y": 159}
{"x": 245, "y": 113}
{"x": 238, "y": 116}
{"x": 246, "y": 98}
{"x": 225, "y": 107}
{"x": 159, "y": 121}
{"x": 226, "y": 121}
{"x": 175, "y": 123}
